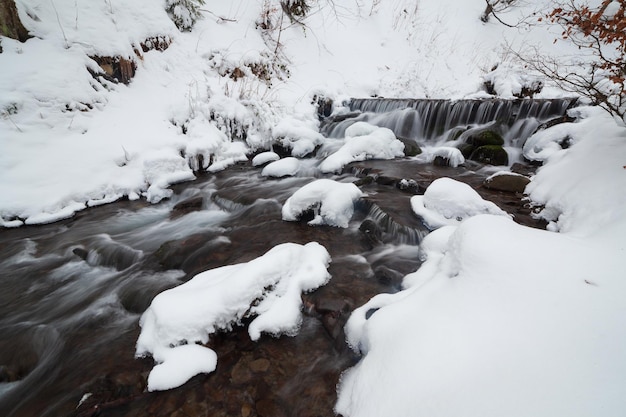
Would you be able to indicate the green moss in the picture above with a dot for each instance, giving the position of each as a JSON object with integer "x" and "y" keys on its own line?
{"x": 490, "y": 154}
{"x": 486, "y": 138}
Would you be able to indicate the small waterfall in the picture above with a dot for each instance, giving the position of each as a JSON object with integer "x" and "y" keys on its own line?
{"x": 391, "y": 230}
{"x": 441, "y": 120}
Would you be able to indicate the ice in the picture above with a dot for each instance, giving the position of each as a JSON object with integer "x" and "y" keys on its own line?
{"x": 267, "y": 288}
{"x": 332, "y": 202}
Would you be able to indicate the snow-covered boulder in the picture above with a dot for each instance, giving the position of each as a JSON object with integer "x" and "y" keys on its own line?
{"x": 449, "y": 202}
{"x": 218, "y": 299}
{"x": 264, "y": 158}
{"x": 332, "y": 203}
{"x": 286, "y": 167}
{"x": 364, "y": 141}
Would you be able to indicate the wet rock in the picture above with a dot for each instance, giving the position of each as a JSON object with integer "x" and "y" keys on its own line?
{"x": 410, "y": 147}
{"x": 386, "y": 180}
{"x": 324, "y": 106}
{"x": 523, "y": 169}
{"x": 269, "y": 408}
{"x": 260, "y": 365}
{"x": 241, "y": 372}
{"x": 466, "y": 149}
{"x": 372, "y": 232}
{"x": 441, "y": 161}
{"x": 485, "y": 138}
{"x": 367, "y": 180}
{"x": 410, "y": 186}
{"x": 187, "y": 206}
{"x": 512, "y": 183}
{"x": 246, "y": 410}
{"x": 490, "y": 154}
{"x": 326, "y": 305}
{"x": 81, "y": 253}
{"x": 388, "y": 276}
{"x": 174, "y": 253}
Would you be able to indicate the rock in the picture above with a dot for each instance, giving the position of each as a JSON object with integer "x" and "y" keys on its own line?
{"x": 441, "y": 161}
{"x": 324, "y": 106}
{"x": 333, "y": 305}
{"x": 269, "y": 408}
{"x": 388, "y": 276}
{"x": 410, "y": 147}
{"x": 490, "y": 154}
{"x": 241, "y": 372}
{"x": 10, "y": 23}
{"x": 523, "y": 169}
{"x": 410, "y": 186}
{"x": 372, "y": 232}
{"x": 466, "y": 149}
{"x": 509, "y": 182}
{"x": 115, "y": 68}
{"x": 485, "y": 138}
{"x": 187, "y": 206}
{"x": 260, "y": 365}
{"x": 246, "y": 410}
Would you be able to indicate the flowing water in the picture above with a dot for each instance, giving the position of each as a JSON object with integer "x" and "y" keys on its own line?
{"x": 72, "y": 292}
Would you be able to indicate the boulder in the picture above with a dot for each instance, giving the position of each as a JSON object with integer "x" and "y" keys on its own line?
{"x": 490, "y": 154}
{"x": 507, "y": 181}
{"x": 10, "y": 23}
{"x": 485, "y": 138}
{"x": 410, "y": 147}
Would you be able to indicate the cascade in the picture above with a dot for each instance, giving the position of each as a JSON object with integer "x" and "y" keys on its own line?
{"x": 441, "y": 120}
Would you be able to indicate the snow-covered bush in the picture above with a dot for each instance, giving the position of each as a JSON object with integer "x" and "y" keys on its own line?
{"x": 184, "y": 13}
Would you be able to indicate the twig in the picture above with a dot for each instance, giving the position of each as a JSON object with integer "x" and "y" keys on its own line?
{"x": 67, "y": 45}
{"x": 221, "y": 18}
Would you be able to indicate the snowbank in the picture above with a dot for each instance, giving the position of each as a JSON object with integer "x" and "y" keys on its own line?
{"x": 582, "y": 185}
{"x": 364, "y": 141}
{"x": 332, "y": 203}
{"x": 449, "y": 202}
{"x": 492, "y": 325}
{"x": 267, "y": 287}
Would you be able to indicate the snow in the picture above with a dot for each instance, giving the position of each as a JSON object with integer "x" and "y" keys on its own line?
{"x": 449, "y": 202}
{"x": 492, "y": 325}
{"x": 265, "y": 157}
{"x": 364, "y": 141}
{"x": 451, "y": 154}
{"x": 285, "y": 167}
{"x": 267, "y": 288}
{"x": 332, "y": 203}
{"x": 582, "y": 186}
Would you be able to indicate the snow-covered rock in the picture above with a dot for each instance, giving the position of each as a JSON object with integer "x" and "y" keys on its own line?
{"x": 180, "y": 318}
{"x": 364, "y": 141}
{"x": 332, "y": 202}
{"x": 449, "y": 202}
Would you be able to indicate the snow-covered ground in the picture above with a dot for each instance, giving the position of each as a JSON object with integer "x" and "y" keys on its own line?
{"x": 499, "y": 320}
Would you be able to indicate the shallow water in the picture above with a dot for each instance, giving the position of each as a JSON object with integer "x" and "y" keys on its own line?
{"x": 72, "y": 292}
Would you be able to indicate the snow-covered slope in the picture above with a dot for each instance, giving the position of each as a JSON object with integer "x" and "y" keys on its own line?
{"x": 70, "y": 141}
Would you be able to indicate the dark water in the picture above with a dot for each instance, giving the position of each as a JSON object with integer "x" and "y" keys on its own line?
{"x": 72, "y": 292}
